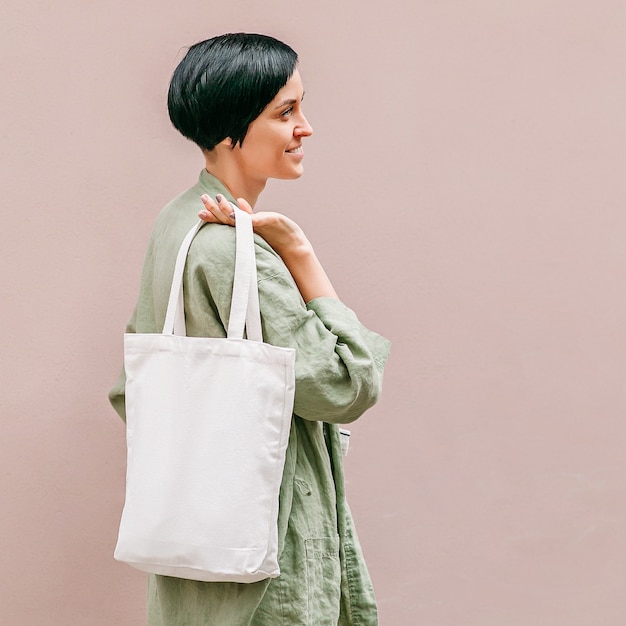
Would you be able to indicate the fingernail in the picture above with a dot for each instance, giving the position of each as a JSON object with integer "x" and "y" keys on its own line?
{"x": 232, "y": 216}
{"x": 219, "y": 197}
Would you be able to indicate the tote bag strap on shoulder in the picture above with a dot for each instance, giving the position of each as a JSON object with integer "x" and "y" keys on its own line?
{"x": 244, "y": 308}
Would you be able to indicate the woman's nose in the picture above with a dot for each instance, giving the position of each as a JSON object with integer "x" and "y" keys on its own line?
{"x": 304, "y": 129}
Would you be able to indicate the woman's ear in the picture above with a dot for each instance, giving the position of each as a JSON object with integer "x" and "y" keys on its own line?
{"x": 223, "y": 147}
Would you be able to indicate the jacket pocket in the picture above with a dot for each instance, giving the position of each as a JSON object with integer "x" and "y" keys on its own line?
{"x": 323, "y": 574}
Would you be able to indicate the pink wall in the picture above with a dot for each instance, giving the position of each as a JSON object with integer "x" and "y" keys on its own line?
{"x": 465, "y": 189}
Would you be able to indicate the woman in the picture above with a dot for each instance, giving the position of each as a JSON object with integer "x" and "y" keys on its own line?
{"x": 239, "y": 98}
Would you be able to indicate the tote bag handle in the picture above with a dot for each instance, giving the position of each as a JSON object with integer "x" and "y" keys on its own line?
{"x": 244, "y": 307}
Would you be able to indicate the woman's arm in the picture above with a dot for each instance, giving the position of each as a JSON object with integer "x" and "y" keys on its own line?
{"x": 339, "y": 362}
{"x": 285, "y": 237}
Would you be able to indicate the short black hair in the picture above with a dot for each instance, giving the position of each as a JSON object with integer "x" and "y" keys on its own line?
{"x": 224, "y": 83}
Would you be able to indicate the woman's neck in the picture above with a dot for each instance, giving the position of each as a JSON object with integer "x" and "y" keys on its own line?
{"x": 228, "y": 172}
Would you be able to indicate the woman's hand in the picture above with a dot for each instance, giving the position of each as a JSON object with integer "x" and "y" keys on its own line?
{"x": 284, "y": 236}
{"x": 219, "y": 211}
{"x": 280, "y": 232}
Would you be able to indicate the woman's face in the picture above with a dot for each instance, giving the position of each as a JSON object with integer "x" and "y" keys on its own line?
{"x": 272, "y": 147}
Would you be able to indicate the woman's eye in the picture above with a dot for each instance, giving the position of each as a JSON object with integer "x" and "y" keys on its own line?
{"x": 287, "y": 112}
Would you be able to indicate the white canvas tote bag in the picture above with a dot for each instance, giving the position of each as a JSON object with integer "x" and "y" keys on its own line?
{"x": 208, "y": 423}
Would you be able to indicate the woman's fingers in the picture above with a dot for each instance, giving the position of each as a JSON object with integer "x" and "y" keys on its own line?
{"x": 277, "y": 229}
{"x": 227, "y": 209}
{"x": 211, "y": 211}
{"x": 243, "y": 205}
{"x": 218, "y": 211}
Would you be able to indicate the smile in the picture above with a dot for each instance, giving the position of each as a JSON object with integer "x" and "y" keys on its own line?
{"x": 297, "y": 150}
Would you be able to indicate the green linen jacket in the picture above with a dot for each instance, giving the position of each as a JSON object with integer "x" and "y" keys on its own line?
{"x": 339, "y": 367}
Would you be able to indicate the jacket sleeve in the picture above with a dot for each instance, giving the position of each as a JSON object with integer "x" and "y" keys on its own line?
{"x": 339, "y": 362}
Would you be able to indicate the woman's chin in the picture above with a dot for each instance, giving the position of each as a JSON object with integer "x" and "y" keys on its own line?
{"x": 293, "y": 175}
